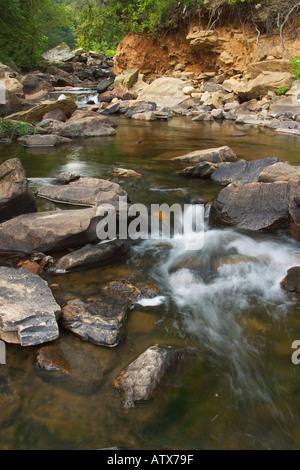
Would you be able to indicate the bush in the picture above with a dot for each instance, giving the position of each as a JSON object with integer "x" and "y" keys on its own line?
{"x": 281, "y": 91}
{"x": 15, "y": 129}
{"x": 296, "y": 67}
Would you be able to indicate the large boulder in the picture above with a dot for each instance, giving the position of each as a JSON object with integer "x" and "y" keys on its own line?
{"x": 36, "y": 114}
{"x": 85, "y": 191}
{"x": 15, "y": 196}
{"x": 49, "y": 231}
{"x": 275, "y": 65}
{"x": 263, "y": 83}
{"x": 139, "y": 381}
{"x": 213, "y": 155}
{"x": 165, "y": 92}
{"x": 254, "y": 207}
{"x": 99, "y": 321}
{"x": 28, "y": 310}
{"x": 87, "y": 127}
{"x": 242, "y": 171}
{"x": 291, "y": 282}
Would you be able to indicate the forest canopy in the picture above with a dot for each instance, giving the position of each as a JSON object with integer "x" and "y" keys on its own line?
{"x": 30, "y": 27}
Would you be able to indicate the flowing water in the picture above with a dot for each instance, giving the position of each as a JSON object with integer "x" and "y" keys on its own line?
{"x": 236, "y": 387}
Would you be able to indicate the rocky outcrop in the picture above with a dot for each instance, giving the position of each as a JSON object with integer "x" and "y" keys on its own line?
{"x": 49, "y": 231}
{"x": 99, "y": 321}
{"x": 89, "y": 256}
{"x": 84, "y": 191}
{"x": 263, "y": 83}
{"x": 15, "y": 196}
{"x": 28, "y": 310}
{"x": 140, "y": 380}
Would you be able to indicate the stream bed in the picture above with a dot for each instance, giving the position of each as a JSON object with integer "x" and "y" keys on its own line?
{"x": 237, "y": 388}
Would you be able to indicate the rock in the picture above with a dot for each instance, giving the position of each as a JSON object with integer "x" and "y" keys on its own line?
{"x": 262, "y": 84}
{"x": 213, "y": 155}
{"x": 34, "y": 83}
{"x": 28, "y": 310}
{"x": 226, "y": 58}
{"x": 283, "y": 104}
{"x": 60, "y": 53}
{"x": 165, "y": 92}
{"x": 12, "y": 91}
{"x": 51, "y": 358}
{"x": 56, "y": 114}
{"x": 31, "y": 266}
{"x": 254, "y": 207}
{"x": 87, "y": 127}
{"x": 125, "y": 173}
{"x": 201, "y": 170}
{"x": 85, "y": 191}
{"x": 146, "y": 116}
{"x": 128, "y": 78}
{"x": 49, "y": 231}
{"x": 281, "y": 171}
{"x": 139, "y": 381}
{"x": 104, "y": 84}
{"x": 42, "y": 140}
{"x": 82, "y": 114}
{"x": 291, "y": 282}
{"x": 204, "y": 41}
{"x": 15, "y": 196}
{"x": 231, "y": 84}
{"x": 89, "y": 255}
{"x": 294, "y": 230}
{"x": 99, "y": 321}
{"x": 276, "y": 65}
{"x": 126, "y": 289}
{"x": 36, "y": 114}
{"x": 242, "y": 171}
{"x": 66, "y": 178}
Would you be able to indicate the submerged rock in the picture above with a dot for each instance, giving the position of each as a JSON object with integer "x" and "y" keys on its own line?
{"x": 28, "y": 310}
{"x": 124, "y": 288}
{"x": 125, "y": 173}
{"x": 139, "y": 381}
{"x": 87, "y": 127}
{"x": 42, "y": 140}
{"x": 89, "y": 255}
{"x": 15, "y": 196}
{"x": 99, "y": 321}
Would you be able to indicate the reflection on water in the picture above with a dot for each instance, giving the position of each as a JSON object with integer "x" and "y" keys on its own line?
{"x": 237, "y": 388}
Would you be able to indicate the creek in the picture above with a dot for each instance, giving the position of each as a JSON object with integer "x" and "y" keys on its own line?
{"x": 237, "y": 388}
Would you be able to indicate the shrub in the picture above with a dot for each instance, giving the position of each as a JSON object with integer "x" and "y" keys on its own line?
{"x": 296, "y": 67}
{"x": 281, "y": 91}
{"x": 15, "y": 129}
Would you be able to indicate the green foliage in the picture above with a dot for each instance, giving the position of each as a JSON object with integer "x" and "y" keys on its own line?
{"x": 14, "y": 129}
{"x": 296, "y": 67}
{"x": 281, "y": 91}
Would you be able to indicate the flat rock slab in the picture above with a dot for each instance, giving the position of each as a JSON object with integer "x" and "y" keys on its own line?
{"x": 139, "y": 381}
{"x": 99, "y": 321}
{"x": 254, "y": 207}
{"x": 42, "y": 140}
{"x": 28, "y": 310}
{"x": 49, "y": 231}
{"x": 213, "y": 155}
{"x": 15, "y": 196}
{"x": 88, "y": 256}
{"x": 242, "y": 171}
{"x": 85, "y": 191}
